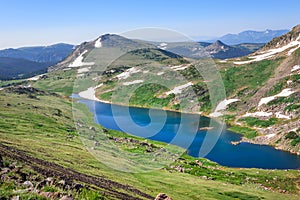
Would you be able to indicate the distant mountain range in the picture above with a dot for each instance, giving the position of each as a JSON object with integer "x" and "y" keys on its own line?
{"x": 42, "y": 54}
{"x": 217, "y": 49}
{"x": 252, "y": 36}
{"x": 27, "y": 61}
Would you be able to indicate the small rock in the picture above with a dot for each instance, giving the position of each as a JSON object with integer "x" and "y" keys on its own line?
{"x": 92, "y": 128}
{"x": 162, "y": 196}
{"x": 5, "y": 170}
{"x": 1, "y": 161}
{"x": 49, "y": 181}
{"x": 77, "y": 186}
{"x": 28, "y": 184}
{"x": 66, "y": 198}
{"x": 15, "y": 198}
{"x": 51, "y": 195}
{"x": 61, "y": 183}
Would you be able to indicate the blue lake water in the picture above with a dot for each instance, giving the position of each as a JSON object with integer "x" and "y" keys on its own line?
{"x": 179, "y": 129}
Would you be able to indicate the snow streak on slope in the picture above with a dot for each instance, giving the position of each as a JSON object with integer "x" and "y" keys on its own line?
{"x": 272, "y": 52}
{"x": 78, "y": 62}
{"x": 284, "y": 93}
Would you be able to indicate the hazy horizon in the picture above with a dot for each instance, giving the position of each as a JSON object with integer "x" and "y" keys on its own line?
{"x": 38, "y": 23}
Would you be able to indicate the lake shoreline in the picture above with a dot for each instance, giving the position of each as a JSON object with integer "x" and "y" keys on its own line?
{"x": 90, "y": 94}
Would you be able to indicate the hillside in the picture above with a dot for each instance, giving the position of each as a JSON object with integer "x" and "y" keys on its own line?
{"x": 29, "y": 61}
{"x": 14, "y": 68}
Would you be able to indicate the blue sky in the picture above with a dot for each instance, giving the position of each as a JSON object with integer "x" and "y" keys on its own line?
{"x": 42, "y": 22}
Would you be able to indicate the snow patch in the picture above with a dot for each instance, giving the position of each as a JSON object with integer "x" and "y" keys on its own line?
{"x": 35, "y": 78}
{"x": 178, "y": 89}
{"x": 162, "y": 46}
{"x": 289, "y": 82}
{"x": 133, "y": 82}
{"x": 258, "y": 114}
{"x": 83, "y": 70}
{"x": 98, "y": 43}
{"x": 127, "y": 73}
{"x": 90, "y": 93}
{"x": 284, "y": 93}
{"x": 78, "y": 62}
{"x": 222, "y": 106}
{"x": 281, "y": 116}
{"x": 270, "y": 53}
{"x": 179, "y": 67}
{"x": 295, "y": 68}
{"x": 270, "y": 135}
{"x": 160, "y": 73}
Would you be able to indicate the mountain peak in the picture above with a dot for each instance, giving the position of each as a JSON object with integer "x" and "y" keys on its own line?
{"x": 217, "y": 46}
{"x": 219, "y": 43}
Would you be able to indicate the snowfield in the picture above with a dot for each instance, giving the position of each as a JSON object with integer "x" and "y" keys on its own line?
{"x": 78, "y": 62}
{"x": 284, "y": 93}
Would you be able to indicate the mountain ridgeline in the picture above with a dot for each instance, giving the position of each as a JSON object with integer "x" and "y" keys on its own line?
{"x": 28, "y": 61}
{"x": 252, "y": 36}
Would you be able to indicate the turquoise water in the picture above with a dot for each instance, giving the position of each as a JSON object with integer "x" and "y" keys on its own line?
{"x": 179, "y": 129}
